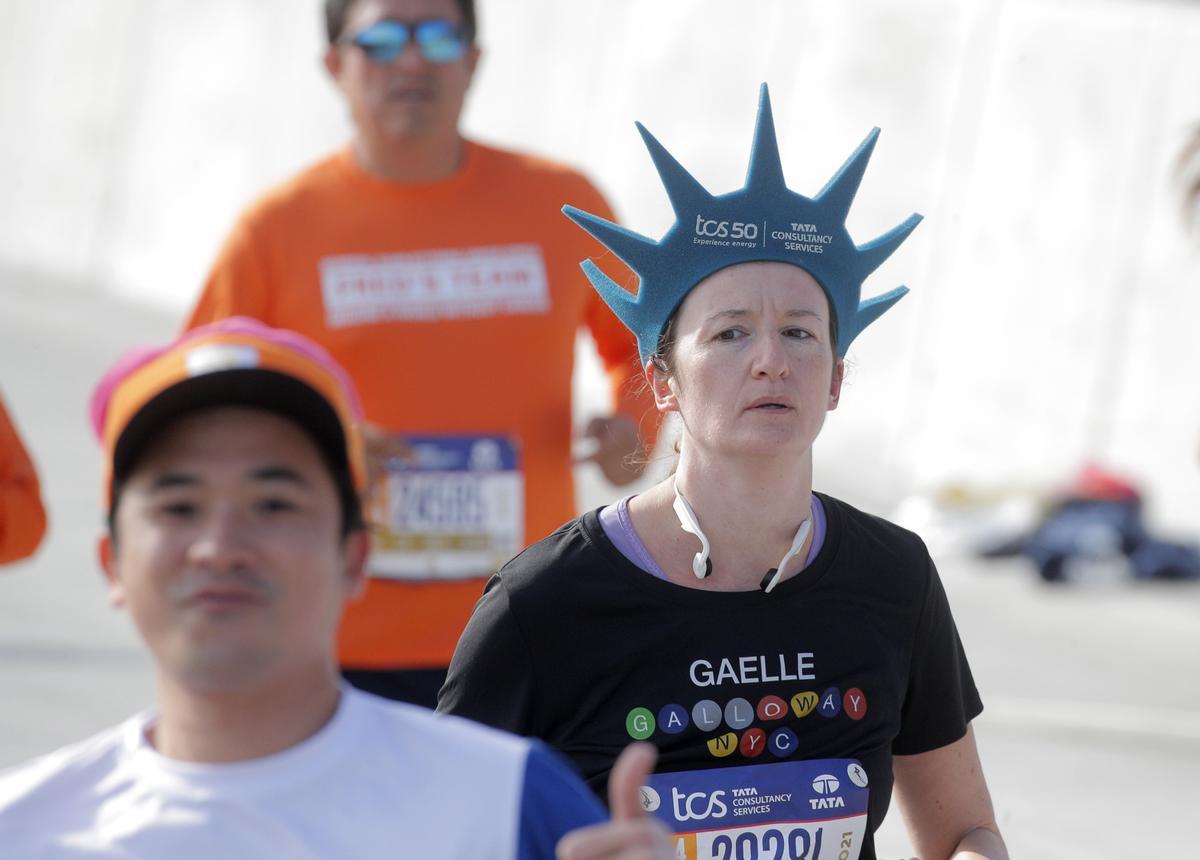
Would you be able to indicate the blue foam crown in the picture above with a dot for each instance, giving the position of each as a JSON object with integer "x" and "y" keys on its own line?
{"x": 764, "y": 221}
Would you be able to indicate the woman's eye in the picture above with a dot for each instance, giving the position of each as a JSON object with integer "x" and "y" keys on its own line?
{"x": 730, "y": 334}
{"x": 798, "y": 333}
{"x": 178, "y": 509}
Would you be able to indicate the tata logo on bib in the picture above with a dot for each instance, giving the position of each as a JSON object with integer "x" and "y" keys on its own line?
{"x": 713, "y": 229}
{"x": 826, "y": 784}
{"x": 698, "y": 806}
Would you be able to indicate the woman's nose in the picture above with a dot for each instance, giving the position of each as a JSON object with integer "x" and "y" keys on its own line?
{"x": 770, "y": 358}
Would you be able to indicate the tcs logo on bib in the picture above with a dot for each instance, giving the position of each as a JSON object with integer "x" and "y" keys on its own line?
{"x": 697, "y": 806}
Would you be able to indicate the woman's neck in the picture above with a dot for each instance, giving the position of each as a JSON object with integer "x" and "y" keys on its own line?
{"x": 749, "y": 512}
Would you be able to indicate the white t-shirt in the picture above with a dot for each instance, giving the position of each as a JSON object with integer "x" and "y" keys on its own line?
{"x": 381, "y": 779}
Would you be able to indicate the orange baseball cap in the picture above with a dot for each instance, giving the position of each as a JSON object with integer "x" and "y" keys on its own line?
{"x": 235, "y": 362}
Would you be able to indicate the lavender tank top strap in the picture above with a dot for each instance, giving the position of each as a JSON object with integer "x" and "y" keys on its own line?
{"x": 618, "y": 527}
{"x": 818, "y": 531}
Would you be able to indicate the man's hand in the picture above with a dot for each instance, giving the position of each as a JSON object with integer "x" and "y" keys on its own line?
{"x": 614, "y": 441}
{"x": 632, "y": 834}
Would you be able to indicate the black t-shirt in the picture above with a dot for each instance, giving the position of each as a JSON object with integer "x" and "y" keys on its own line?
{"x": 854, "y": 658}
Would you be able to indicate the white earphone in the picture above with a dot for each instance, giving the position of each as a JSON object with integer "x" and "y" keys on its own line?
{"x": 702, "y": 564}
{"x": 774, "y": 574}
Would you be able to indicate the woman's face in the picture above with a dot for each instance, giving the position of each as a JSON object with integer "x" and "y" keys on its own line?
{"x": 752, "y": 371}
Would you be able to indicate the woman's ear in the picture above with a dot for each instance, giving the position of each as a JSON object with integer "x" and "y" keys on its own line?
{"x": 656, "y": 376}
{"x": 835, "y": 384}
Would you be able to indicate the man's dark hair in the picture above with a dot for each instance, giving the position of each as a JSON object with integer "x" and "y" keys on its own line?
{"x": 337, "y": 11}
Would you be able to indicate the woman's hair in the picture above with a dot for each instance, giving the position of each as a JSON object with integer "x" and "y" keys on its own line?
{"x": 665, "y": 349}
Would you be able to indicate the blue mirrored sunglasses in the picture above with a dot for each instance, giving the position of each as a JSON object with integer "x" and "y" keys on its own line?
{"x": 439, "y": 40}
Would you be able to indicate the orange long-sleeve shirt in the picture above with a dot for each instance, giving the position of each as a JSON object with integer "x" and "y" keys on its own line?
{"x": 22, "y": 517}
{"x": 454, "y": 306}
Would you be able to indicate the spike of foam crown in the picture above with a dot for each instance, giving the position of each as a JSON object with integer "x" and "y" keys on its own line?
{"x": 764, "y": 221}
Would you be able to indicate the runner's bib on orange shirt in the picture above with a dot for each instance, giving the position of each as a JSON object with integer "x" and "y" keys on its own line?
{"x": 453, "y": 508}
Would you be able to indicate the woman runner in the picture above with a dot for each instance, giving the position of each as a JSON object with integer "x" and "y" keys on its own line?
{"x": 793, "y": 659}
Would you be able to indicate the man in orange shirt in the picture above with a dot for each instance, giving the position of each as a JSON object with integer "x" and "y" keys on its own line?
{"x": 442, "y": 275}
{"x": 22, "y": 518}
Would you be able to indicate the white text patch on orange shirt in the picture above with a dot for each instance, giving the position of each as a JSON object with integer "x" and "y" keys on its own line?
{"x": 431, "y": 285}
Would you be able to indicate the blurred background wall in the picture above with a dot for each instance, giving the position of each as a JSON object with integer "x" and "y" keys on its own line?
{"x": 1055, "y": 291}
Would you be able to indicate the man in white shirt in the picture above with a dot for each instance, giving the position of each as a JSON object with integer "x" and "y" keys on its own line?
{"x": 234, "y": 472}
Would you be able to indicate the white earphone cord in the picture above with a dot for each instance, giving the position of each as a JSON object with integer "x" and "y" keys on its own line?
{"x": 776, "y": 573}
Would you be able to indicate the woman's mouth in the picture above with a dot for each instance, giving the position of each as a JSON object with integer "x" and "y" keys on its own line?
{"x": 768, "y": 405}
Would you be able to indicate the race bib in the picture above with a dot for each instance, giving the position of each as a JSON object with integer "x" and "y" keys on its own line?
{"x": 453, "y": 508}
{"x": 799, "y": 810}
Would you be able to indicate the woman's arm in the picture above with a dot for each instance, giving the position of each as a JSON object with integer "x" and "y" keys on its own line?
{"x": 945, "y": 803}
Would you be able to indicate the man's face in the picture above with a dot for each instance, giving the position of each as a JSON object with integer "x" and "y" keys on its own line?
{"x": 228, "y": 551}
{"x": 410, "y": 97}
